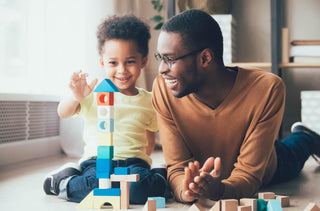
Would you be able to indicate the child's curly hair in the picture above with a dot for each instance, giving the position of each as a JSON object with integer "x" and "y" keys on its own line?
{"x": 127, "y": 27}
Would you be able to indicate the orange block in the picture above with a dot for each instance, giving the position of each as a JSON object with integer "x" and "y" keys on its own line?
{"x": 105, "y": 98}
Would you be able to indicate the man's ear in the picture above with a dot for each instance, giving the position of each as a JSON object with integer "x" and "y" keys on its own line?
{"x": 144, "y": 61}
{"x": 207, "y": 56}
{"x": 101, "y": 62}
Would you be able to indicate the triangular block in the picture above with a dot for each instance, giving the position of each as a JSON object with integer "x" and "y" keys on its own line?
{"x": 106, "y": 86}
{"x": 87, "y": 202}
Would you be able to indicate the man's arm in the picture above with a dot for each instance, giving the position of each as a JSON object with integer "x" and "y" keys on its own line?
{"x": 177, "y": 155}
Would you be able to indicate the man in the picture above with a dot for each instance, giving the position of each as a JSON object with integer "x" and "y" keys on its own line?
{"x": 218, "y": 124}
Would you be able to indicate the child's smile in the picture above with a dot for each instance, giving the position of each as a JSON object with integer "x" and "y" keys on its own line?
{"x": 123, "y": 63}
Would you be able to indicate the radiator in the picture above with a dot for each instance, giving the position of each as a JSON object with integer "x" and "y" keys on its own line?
{"x": 29, "y": 127}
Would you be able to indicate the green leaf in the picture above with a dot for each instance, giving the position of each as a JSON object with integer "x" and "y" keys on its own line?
{"x": 158, "y": 26}
{"x": 160, "y": 8}
{"x": 156, "y": 18}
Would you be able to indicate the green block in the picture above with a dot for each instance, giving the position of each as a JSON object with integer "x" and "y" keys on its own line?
{"x": 261, "y": 205}
{"x": 105, "y": 152}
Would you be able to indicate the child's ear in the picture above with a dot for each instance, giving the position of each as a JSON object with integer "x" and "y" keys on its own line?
{"x": 101, "y": 62}
{"x": 144, "y": 61}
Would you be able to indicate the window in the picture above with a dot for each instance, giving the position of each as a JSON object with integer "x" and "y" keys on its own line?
{"x": 42, "y": 42}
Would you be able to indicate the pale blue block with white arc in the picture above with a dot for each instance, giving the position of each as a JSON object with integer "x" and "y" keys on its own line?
{"x": 105, "y": 125}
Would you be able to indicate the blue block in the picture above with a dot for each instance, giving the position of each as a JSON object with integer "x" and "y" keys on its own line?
{"x": 106, "y": 192}
{"x": 106, "y": 86}
{"x": 105, "y": 152}
{"x": 121, "y": 170}
{"x": 161, "y": 201}
{"x": 274, "y": 205}
{"x": 103, "y": 168}
{"x": 103, "y": 175}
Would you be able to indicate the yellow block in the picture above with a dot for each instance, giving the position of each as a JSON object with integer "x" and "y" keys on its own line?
{"x": 105, "y": 139}
{"x": 87, "y": 202}
{"x": 99, "y": 201}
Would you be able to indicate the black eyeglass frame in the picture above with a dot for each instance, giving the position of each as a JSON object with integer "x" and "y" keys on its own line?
{"x": 169, "y": 61}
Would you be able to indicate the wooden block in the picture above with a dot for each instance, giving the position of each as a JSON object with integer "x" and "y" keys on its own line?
{"x": 124, "y": 187}
{"x": 106, "y": 192}
{"x": 229, "y": 205}
{"x": 312, "y": 207}
{"x": 105, "y": 98}
{"x": 245, "y": 208}
{"x": 104, "y": 183}
{"x": 249, "y": 202}
{"x": 105, "y": 152}
{"x": 105, "y": 112}
{"x": 216, "y": 206}
{"x": 105, "y": 125}
{"x": 99, "y": 201}
{"x": 161, "y": 201}
{"x": 284, "y": 200}
{"x": 151, "y": 205}
{"x": 103, "y": 168}
{"x": 105, "y": 139}
{"x": 87, "y": 202}
{"x": 121, "y": 170}
{"x": 274, "y": 205}
{"x": 128, "y": 178}
{"x": 196, "y": 207}
{"x": 266, "y": 195}
{"x": 261, "y": 205}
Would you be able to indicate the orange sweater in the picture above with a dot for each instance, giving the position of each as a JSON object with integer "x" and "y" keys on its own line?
{"x": 241, "y": 130}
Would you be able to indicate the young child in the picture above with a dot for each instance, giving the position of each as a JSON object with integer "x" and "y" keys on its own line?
{"x": 123, "y": 49}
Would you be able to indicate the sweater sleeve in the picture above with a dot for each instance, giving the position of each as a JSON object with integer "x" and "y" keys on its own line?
{"x": 257, "y": 149}
{"x": 176, "y": 153}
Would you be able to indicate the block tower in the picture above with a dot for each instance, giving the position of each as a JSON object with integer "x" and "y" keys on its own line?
{"x": 117, "y": 197}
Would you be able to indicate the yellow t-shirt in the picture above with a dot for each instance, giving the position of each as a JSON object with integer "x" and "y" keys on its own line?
{"x": 133, "y": 115}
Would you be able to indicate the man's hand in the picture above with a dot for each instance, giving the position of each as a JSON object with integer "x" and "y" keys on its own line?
{"x": 191, "y": 172}
{"x": 204, "y": 182}
{"x": 79, "y": 86}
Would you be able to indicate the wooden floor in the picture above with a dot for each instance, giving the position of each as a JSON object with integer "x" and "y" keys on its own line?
{"x": 21, "y": 187}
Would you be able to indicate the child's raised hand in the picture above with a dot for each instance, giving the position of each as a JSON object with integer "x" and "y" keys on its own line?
{"x": 79, "y": 86}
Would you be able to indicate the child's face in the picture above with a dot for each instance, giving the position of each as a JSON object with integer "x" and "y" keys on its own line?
{"x": 123, "y": 63}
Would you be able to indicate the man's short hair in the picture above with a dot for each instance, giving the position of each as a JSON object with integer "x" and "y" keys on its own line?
{"x": 127, "y": 27}
{"x": 198, "y": 30}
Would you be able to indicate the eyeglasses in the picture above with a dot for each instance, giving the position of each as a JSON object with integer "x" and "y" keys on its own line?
{"x": 169, "y": 61}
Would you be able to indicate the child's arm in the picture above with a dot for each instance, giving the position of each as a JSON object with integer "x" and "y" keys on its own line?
{"x": 151, "y": 142}
{"x": 80, "y": 90}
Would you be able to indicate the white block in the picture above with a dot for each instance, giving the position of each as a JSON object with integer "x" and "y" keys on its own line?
{"x": 104, "y": 183}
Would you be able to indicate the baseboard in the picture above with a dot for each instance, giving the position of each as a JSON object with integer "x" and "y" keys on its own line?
{"x": 31, "y": 149}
